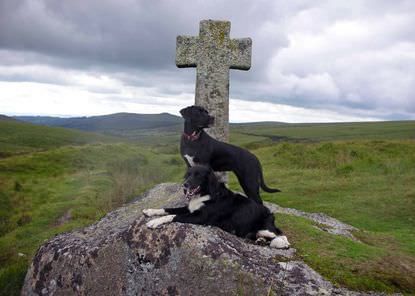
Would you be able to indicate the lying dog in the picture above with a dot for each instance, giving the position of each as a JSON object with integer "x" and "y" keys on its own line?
{"x": 197, "y": 147}
{"x": 211, "y": 203}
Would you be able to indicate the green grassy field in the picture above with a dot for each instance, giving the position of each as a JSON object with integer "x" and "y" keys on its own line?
{"x": 18, "y": 137}
{"x": 55, "y": 180}
{"x": 368, "y": 184}
{"x": 254, "y": 135}
{"x": 332, "y": 131}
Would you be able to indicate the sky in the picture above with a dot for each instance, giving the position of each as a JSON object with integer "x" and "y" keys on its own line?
{"x": 312, "y": 61}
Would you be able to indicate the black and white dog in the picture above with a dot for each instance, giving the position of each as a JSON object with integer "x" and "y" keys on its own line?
{"x": 197, "y": 147}
{"x": 211, "y": 203}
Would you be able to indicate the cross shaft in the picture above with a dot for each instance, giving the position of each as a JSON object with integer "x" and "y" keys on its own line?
{"x": 213, "y": 53}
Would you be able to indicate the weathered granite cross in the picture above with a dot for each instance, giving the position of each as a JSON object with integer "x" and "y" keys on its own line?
{"x": 214, "y": 53}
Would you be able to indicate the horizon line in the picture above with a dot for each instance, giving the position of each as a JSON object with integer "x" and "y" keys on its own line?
{"x": 230, "y": 122}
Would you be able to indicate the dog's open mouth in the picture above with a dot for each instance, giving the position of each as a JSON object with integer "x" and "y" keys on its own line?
{"x": 190, "y": 193}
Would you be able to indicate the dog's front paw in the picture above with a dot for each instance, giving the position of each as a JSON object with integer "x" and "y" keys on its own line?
{"x": 153, "y": 224}
{"x": 159, "y": 221}
{"x": 154, "y": 212}
{"x": 280, "y": 242}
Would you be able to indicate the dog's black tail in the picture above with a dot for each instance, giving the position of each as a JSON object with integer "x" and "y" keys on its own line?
{"x": 264, "y": 186}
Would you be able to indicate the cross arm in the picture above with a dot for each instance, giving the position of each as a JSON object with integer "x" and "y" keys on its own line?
{"x": 186, "y": 50}
{"x": 240, "y": 53}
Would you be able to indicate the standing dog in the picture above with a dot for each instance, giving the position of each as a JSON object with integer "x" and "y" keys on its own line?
{"x": 197, "y": 147}
{"x": 211, "y": 203}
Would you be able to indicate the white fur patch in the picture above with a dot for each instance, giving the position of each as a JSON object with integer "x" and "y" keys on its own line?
{"x": 154, "y": 212}
{"x": 197, "y": 203}
{"x": 160, "y": 221}
{"x": 190, "y": 159}
{"x": 280, "y": 242}
{"x": 266, "y": 233}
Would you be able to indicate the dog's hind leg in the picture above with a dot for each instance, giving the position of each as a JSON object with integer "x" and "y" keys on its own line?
{"x": 271, "y": 232}
{"x": 251, "y": 189}
{"x": 280, "y": 242}
{"x": 270, "y": 225}
{"x": 277, "y": 241}
{"x": 251, "y": 236}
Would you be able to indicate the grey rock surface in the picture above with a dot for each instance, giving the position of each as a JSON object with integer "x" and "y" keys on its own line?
{"x": 119, "y": 255}
{"x": 213, "y": 53}
{"x": 324, "y": 222}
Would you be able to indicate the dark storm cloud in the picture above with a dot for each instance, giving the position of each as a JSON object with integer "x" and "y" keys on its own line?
{"x": 132, "y": 33}
{"x": 339, "y": 55}
{"x": 87, "y": 31}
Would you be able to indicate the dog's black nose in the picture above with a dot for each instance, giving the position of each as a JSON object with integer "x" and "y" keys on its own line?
{"x": 185, "y": 185}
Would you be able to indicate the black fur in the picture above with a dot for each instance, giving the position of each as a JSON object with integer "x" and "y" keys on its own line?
{"x": 225, "y": 209}
{"x": 221, "y": 156}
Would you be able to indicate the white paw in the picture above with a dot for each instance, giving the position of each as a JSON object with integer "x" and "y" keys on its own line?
{"x": 160, "y": 221}
{"x": 153, "y": 223}
{"x": 280, "y": 242}
{"x": 154, "y": 212}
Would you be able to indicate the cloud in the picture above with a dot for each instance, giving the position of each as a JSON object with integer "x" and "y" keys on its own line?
{"x": 57, "y": 100}
{"x": 353, "y": 59}
{"x": 36, "y": 98}
{"x": 360, "y": 63}
{"x": 244, "y": 111}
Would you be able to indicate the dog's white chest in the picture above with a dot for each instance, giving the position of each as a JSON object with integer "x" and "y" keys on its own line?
{"x": 197, "y": 203}
{"x": 190, "y": 159}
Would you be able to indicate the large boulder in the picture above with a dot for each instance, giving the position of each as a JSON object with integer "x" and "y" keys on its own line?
{"x": 119, "y": 255}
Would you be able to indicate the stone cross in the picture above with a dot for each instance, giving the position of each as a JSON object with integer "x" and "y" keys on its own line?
{"x": 213, "y": 53}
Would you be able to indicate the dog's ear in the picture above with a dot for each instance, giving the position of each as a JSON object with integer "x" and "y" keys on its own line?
{"x": 183, "y": 111}
{"x": 203, "y": 109}
{"x": 211, "y": 120}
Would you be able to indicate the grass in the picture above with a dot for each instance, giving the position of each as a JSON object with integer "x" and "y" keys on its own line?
{"x": 20, "y": 137}
{"x": 333, "y": 131}
{"x": 368, "y": 184}
{"x": 49, "y": 192}
{"x": 54, "y": 180}
{"x": 256, "y": 135}
{"x": 367, "y": 266}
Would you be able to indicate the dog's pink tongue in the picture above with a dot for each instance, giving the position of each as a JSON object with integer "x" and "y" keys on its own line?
{"x": 191, "y": 193}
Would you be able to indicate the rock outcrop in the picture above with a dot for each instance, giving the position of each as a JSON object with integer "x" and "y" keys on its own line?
{"x": 324, "y": 222}
{"x": 119, "y": 255}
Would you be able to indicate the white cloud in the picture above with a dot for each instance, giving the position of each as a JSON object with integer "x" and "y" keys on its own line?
{"x": 57, "y": 100}
{"x": 346, "y": 60}
{"x": 243, "y": 111}
{"x": 49, "y": 99}
{"x": 359, "y": 60}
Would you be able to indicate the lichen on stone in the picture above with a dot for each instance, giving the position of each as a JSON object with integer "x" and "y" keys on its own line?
{"x": 119, "y": 255}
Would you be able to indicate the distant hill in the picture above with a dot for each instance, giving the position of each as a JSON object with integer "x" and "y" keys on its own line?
{"x": 4, "y": 117}
{"x": 341, "y": 131}
{"x": 166, "y": 128}
{"x": 18, "y": 137}
{"x": 112, "y": 124}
